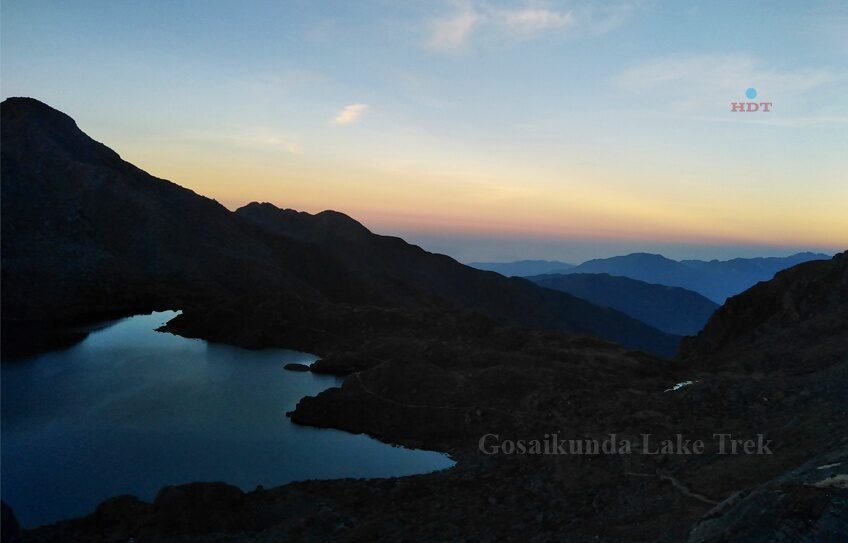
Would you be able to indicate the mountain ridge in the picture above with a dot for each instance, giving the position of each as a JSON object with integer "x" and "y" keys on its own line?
{"x": 87, "y": 233}
{"x": 523, "y": 268}
{"x": 715, "y": 279}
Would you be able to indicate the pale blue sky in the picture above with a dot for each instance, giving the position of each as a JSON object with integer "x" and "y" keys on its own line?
{"x": 487, "y": 130}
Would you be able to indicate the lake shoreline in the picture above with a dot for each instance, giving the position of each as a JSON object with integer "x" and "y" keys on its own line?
{"x": 131, "y": 383}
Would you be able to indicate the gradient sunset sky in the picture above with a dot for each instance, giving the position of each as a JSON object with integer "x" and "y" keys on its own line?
{"x": 484, "y": 130}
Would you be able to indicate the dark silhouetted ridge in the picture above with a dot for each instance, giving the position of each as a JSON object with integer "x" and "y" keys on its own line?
{"x": 408, "y": 272}
{"x": 86, "y": 233}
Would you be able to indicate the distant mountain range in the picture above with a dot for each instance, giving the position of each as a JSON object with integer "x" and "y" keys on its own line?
{"x": 523, "y": 268}
{"x": 87, "y": 234}
{"x": 672, "y": 309}
{"x": 715, "y": 279}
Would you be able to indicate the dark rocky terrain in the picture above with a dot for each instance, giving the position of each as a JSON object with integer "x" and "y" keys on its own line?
{"x": 715, "y": 279}
{"x": 671, "y": 309}
{"x": 446, "y": 393}
{"x": 436, "y": 355}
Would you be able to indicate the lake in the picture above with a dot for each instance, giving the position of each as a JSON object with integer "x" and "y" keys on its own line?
{"x": 129, "y": 410}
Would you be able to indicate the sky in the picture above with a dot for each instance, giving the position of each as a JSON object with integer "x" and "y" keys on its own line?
{"x": 486, "y": 130}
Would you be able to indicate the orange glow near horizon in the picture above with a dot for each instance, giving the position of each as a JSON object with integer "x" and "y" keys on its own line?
{"x": 438, "y": 202}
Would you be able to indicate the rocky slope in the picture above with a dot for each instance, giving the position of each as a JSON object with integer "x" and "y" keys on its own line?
{"x": 796, "y": 322}
{"x": 87, "y": 235}
{"x": 400, "y": 270}
{"x": 523, "y": 268}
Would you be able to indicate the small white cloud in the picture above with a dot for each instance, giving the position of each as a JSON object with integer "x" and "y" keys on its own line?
{"x": 350, "y": 114}
{"x": 450, "y": 34}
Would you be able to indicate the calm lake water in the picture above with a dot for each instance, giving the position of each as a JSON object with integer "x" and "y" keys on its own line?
{"x": 130, "y": 410}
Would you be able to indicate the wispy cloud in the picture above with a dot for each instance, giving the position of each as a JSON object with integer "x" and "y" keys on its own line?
{"x": 293, "y": 148}
{"x": 453, "y": 33}
{"x": 598, "y": 19}
{"x": 530, "y": 20}
{"x": 267, "y": 138}
{"x": 690, "y": 82}
{"x": 350, "y": 114}
{"x": 450, "y": 34}
{"x": 790, "y": 122}
{"x": 250, "y": 137}
{"x": 716, "y": 72}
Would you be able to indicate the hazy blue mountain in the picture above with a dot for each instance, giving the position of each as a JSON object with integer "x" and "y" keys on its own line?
{"x": 670, "y": 309}
{"x": 715, "y": 279}
{"x": 523, "y": 268}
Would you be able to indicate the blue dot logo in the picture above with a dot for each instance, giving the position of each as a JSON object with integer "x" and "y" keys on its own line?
{"x": 751, "y": 93}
